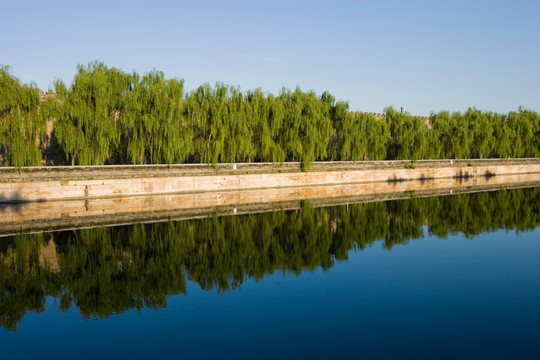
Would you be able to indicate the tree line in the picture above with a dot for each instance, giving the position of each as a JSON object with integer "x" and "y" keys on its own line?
{"x": 104, "y": 271}
{"x": 107, "y": 116}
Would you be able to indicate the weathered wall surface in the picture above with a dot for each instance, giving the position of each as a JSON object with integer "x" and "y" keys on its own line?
{"x": 42, "y": 184}
{"x": 141, "y": 171}
{"x": 69, "y": 214}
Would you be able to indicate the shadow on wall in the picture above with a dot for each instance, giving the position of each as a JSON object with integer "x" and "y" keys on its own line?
{"x": 463, "y": 175}
{"x": 13, "y": 203}
{"x": 15, "y": 200}
{"x": 394, "y": 180}
{"x": 488, "y": 174}
{"x": 423, "y": 178}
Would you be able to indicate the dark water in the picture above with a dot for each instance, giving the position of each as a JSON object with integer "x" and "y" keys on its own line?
{"x": 448, "y": 277}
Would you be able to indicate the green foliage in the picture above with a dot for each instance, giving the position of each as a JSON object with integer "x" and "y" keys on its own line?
{"x": 21, "y": 123}
{"x": 222, "y": 122}
{"x": 307, "y": 127}
{"x": 152, "y": 124}
{"x": 410, "y": 166}
{"x": 477, "y": 134}
{"x": 408, "y": 136}
{"x": 481, "y": 127}
{"x": 25, "y": 282}
{"x": 87, "y": 127}
{"x": 266, "y": 114}
{"x": 362, "y": 137}
{"x": 524, "y": 134}
{"x": 110, "y": 117}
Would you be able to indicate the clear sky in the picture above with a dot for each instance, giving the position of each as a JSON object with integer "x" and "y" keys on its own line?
{"x": 422, "y": 55}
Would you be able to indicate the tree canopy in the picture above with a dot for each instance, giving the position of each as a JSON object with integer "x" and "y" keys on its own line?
{"x": 107, "y": 116}
{"x": 22, "y": 121}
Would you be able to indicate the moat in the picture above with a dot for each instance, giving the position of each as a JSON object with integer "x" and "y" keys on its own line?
{"x": 448, "y": 276}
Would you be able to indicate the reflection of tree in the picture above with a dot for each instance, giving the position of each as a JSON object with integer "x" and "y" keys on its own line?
{"x": 24, "y": 282}
{"x": 222, "y": 252}
{"x": 109, "y": 270}
{"x": 483, "y": 212}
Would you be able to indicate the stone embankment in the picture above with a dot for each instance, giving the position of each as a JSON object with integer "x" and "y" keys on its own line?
{"x": 114, "y": 195}
{"x": 35, "y": 184}
{"x": 43, "y": 216}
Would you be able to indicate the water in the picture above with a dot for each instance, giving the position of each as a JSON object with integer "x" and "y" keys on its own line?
{"x": 445, "y": 277}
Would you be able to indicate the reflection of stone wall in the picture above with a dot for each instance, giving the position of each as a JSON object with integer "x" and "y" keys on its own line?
{"x": 48, "y": 256}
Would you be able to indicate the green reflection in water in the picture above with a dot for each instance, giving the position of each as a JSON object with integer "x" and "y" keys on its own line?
{"x": 110, "y": 270}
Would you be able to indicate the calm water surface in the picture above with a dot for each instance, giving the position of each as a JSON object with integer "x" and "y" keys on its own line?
{"x": 448, "y": 277}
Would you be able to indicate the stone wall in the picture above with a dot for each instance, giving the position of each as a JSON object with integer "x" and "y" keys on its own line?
{"x": 54, "y": 183}
{"x": 83, "y": 213}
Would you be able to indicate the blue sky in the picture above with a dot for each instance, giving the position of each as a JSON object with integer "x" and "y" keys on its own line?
{"x": 422, "y": 55}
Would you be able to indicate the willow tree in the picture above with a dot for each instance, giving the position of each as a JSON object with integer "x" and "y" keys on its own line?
{"x": 87, "y": 127}
{"x": 409, "y": 138}
{"x": 525, "y": 125}
{"x": 205, "y": 108}
{"x": 238, "y": 146}
{"x": 454, "y": 137}
{"x": 362, "y": 137}
{"x": 22, "y": 124}
{"x": 440, "y": 129}
{"x": 378, "y": 136}
{"x": 107, "y": 116}
{"x": 352, "y": 132}
{"x": 153, "y": 127}
{"x": 480, "y": 125}
{"x": 337, "y": 111}
{"x": 273, "y": 151}
{"x": 266, "y": 118}
{"x": 307, "y": 127}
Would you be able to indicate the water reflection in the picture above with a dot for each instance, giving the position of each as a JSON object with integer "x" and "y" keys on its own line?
{"x": 103, "y": 271}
